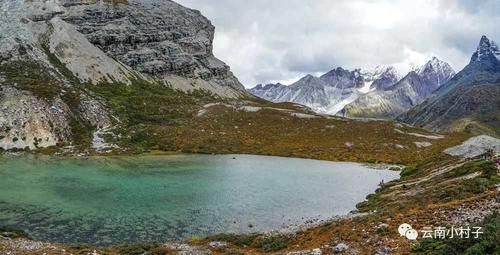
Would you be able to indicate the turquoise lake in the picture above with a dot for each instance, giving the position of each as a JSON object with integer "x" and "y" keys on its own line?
{"x": 112, "y": 200}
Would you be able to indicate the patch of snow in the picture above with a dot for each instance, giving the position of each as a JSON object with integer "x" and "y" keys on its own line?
{"x": 423, "y": 144}
{"x": 248, "y": 108}
{"x": 399, "y": 146}
{"x": 201, "y": 112}
{"x": 367, "y": 87}
{"x": 433, "y": 137}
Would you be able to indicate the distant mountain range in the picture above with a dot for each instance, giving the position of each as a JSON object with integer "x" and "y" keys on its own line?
{"x": 391, "y": 101}
{"x": 469, "y": 101}
{"x": 431, "y": 96}
{"x": 378, "y": 93}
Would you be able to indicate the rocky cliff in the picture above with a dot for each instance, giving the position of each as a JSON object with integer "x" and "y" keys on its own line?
{"x": 55, "y": 55}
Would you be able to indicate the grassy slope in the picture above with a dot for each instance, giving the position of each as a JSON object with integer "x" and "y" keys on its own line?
{"x": 153, "y": 117}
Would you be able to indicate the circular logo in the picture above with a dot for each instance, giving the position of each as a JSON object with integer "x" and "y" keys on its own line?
{"x": 407, "y": 231}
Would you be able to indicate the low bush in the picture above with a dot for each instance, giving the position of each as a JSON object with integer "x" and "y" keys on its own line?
{"x": 273, "y": 243}
{"x": 408, "y": 170}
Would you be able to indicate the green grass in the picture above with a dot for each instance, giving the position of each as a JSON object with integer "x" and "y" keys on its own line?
{"x": 145, "y": 109}
{"x": 487, "y": 169}
{"x": 33, "y": 77}
{"x": 409, "y": 170}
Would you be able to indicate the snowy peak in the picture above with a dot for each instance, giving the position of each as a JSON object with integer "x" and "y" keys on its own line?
{"x": 436, "y": 65}
{"x": 379, "y": 79}
{"x": 436, "y": 72}
{"x": 486, "y": 51}
{"x": 383, "y": 70}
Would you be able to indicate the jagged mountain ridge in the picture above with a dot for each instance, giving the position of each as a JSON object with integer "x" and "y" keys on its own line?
{"x": 403, "y": 95}
{"x": 380, "y": 93}
{"x": 470, "y": 100}
{"x": 54, "y": 55}
{"x": 330, "y": 92}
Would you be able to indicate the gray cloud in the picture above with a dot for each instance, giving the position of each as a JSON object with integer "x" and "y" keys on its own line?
{"x": 281, "y": 40}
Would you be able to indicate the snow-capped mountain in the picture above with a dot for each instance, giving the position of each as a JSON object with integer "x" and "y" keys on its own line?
{"x": 358, "y": 93}
{"x": 391, "y": 101}
{"x": 486, "y": 51}
{"x": 330, "y": 92}
{"x": 469, "y": 101}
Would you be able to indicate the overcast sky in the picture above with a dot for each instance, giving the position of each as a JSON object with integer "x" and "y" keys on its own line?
{"x": 282, "y": 40}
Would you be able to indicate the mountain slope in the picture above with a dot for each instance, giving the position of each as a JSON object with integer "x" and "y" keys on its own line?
{"x": 470, "y": 101}
{"x": 389, "y": 102}
{"x": 57, "y": 57}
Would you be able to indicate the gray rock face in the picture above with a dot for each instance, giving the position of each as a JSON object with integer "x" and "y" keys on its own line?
{"x": 158, "y": 38}
{"x": 117, "y": 40}
{"x": 475, "y": 146}
{"x": 26, "y": 121}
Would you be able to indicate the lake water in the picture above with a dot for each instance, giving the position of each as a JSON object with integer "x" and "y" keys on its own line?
{"x": 110, "y": 200}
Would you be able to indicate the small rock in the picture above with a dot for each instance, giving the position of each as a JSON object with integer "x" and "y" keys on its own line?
{"x": 217, "y": 245}
{"x": 316, "y": 251}
{"x": 341, "y": 247}
{"x": 383, "y": 226}
{"x": 384, "y": 250}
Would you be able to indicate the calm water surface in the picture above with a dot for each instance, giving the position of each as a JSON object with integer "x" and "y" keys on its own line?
{"x": 160, "y": 198}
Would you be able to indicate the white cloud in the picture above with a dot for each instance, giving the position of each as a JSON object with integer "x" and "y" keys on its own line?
{"x": 282, "y": 40}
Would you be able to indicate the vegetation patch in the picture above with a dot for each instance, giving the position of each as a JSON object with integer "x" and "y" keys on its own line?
{"x": 487, "y": 243}
{"x": 409, "y": 170}
{"x": 272, "y": 243}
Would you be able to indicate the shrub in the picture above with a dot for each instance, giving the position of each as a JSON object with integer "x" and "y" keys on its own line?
{"x": 409, "y": 170}
{"x": 486, "y": 168}
{"x": 273, "y": 243}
